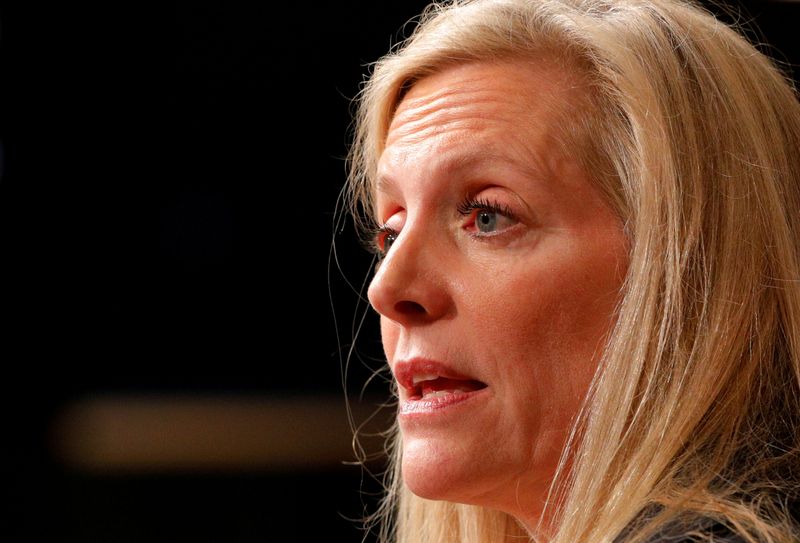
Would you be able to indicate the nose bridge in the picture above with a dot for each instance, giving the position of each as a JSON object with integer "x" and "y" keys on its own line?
{"x": 408, "y": 283}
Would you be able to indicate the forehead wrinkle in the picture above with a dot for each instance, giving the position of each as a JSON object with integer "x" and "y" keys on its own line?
{"x": 413, "y": 102}
{"x": 457, "y": 130}
{"x": 468, "y": 141}
{"x": 460, "y": 126}
{"x": 441, "y": 110}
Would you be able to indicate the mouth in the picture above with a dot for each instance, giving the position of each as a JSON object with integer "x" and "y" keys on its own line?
{"x": 430, "y": 386}
{"x": 428, "y": 380}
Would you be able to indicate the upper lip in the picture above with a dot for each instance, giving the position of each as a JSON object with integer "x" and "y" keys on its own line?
{"x": 406, "y": 370}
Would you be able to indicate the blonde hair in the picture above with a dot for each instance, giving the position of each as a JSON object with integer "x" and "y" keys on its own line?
{"x": 693, "y": 137}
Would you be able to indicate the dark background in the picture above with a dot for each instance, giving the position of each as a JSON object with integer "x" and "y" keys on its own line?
{"x": 229, "y": 120}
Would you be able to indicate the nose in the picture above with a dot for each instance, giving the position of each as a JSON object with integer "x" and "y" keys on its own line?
{"x": 410, "y": 286}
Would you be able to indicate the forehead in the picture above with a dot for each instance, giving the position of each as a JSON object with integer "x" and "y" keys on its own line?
{"x": 504, "y": 89}
{"x": 508, "y": 75}
{"x": 477, "y": 113}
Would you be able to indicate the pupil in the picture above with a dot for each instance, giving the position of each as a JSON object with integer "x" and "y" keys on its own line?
{"x": 486, "y": 221}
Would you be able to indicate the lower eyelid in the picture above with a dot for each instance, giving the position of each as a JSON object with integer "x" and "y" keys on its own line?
{"x": 508, "y": 231}
{"x": 479, "y": 234}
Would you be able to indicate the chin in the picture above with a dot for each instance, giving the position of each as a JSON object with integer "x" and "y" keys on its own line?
{"x": 437, "y": 470}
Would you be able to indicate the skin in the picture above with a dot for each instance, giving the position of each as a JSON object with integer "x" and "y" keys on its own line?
{"x": 524, "y": 308}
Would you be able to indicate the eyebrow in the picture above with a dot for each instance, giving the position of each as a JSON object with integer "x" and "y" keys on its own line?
{"x": 458, "y": 162}
{"x": 385, "y": 184}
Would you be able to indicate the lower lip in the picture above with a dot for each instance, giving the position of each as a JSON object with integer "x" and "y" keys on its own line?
{"x": 440, "y": 405}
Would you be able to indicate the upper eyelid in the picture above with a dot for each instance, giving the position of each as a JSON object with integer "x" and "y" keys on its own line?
{"x": 384, "y": 229}
{"x": 470, "y": 204}
{"x": 373, "y": 242}
{"x": 465, "y": 207}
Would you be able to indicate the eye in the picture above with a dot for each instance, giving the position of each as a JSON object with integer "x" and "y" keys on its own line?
{"x": 388, "y": 239}
{"x": 382, "y": 239}
{"x": 489, "y": 217}
{"x": 486, "y": 221}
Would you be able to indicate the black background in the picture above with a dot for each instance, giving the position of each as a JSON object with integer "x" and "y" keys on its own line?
{"x": 166, "y": 208}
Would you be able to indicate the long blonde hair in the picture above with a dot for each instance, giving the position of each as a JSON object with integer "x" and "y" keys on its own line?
{"x": 694, "y": 137}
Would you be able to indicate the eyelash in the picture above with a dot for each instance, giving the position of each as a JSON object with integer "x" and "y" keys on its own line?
{"x": 465, "y": 208}
{"x": 470, "y": 204}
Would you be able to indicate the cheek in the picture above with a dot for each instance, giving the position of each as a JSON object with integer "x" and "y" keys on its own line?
{"x": 549, "y": 317}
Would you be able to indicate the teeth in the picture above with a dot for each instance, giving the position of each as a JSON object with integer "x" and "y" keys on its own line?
{"x": 417, "y": 379}
{"x": 438, "y": 393}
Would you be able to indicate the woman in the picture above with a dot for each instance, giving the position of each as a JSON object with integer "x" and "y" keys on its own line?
{"x": 586, "y": 214}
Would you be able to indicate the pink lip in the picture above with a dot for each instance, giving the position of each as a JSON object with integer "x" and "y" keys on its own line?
{"x": 405, "y": 370}
{"x": 413, "y": 406}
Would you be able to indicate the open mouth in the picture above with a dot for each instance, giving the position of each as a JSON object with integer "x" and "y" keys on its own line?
{"x": 434, "y": 386}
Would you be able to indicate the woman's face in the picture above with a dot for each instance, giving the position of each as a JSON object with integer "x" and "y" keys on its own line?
{"x": 500, "y": 281}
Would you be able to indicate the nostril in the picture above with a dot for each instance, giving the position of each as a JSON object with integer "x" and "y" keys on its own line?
{"x": 409, "y": 308}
